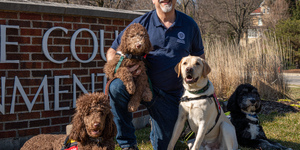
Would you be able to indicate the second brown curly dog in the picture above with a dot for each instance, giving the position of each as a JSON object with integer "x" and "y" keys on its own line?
{"x": 135, "y": 42}
{"x": 93, "y": 127}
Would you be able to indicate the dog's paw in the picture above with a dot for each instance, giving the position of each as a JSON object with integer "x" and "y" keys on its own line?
{"x": 133, "y": 106}
{"x": 147, "y": 95}
{"x": 130, "y": 88}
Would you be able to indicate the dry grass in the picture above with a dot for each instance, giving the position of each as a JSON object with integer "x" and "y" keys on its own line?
{"x": 258, "y": 64}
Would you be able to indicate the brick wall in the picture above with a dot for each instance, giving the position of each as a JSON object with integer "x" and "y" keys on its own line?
{"x": 27, "y": 24}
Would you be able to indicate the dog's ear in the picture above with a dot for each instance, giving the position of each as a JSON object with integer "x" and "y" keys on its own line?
{"x": 232, "y": 105}
{"x": 110, "y": 129}
{"x": 178, "y": 68}
{"x": 78, "y": 132}
{"x": 206, "y": 68}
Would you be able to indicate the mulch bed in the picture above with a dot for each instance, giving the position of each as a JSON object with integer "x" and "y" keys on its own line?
{"x": 280, "y": 107}
{"x": 291, "y": 71}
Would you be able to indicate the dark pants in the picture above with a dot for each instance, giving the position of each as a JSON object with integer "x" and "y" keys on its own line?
{"x": 163, "y": 110}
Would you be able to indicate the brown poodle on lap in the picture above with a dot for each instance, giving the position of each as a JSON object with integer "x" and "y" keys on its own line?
{"x": 93, "y": 128}
{"x": 135, "y": 44}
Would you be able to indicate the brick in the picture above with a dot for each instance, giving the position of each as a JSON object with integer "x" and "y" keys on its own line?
{"x": 79, "y": 26}
{"x": 51, "y": 65}
{"x": 31, "y": 32}
{"x": 80, "y": 72}
{"x": 37, "y": 40}
{"x": 110, "y": 28}
{"x": 51, "y": 129}
{"x": 7, "y": 134}
{"x": 62, "y": 120}
{"x": 52, "y": 17}
{"x": 55, "y": 33}
{"x": 47, "y": 114}
{"x": 61, "y": 41}
{"x": 20, "y": 40}
{"x": 68, "y": 112}
{"x": 39, "y": 24}
{"x": 30, "y": 48}
{"x": 30, "y": 16}
{"x": 28, "y": 132}
{"x": 108, "y": 35}
{"x": 1, "y": 126}
{"x": 97, "y": 27}
{"x": 10, "y": 15}
{"x": 31, "y": 115}
{"x": 61, "y": 56}
{"x": 96, "y": 71}
{"x": 41, "y": 73}
{"x": 61, "y": 72}
{"x": 8, "y": 66}
{"x": 30, "y": 65}
{"x": 21, "y": 108}
{"x": 71, "y": 19}
{"x": 90, "y": 64}
{"x": 38, "y": 57}
{"x": 8, "y": 117}
{"x": 19, "y": 73}
{"x": 104, "y": 21}
{"x": 101, "y": 63}
{"x": 146, "y": 112}
{"x": 2, "y": 21}
{"x": 82, "y": 41}
{"x": 118, "y": 22}
{"x": 19, "y": 23}
{"x": 16, "y": 125}
{"x": 89, "y": 20}
{"x": 12, "y": 31}
{"x": 14, "y": 56}
{"x": 65, "y": 25}
{"x": 39, "y": 123}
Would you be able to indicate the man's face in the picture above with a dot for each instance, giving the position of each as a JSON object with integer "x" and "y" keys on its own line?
{"x": 164, "y": 5}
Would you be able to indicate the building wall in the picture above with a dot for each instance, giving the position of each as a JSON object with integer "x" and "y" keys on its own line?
{"x": 41, "y": 76}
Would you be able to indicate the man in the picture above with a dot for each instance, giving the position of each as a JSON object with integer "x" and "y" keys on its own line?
{"x": 173, "y": 35}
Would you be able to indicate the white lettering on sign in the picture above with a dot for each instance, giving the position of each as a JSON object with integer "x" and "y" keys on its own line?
{"x": 3, "y": 44}
{"x": 57, "y": 79}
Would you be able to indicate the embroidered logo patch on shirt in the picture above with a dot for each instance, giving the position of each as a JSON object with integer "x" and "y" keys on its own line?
{"x": 181, "y": 37}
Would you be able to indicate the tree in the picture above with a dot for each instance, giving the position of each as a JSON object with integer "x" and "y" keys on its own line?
{"x": 279, "y": 10}
{"x": 227, "y": 17}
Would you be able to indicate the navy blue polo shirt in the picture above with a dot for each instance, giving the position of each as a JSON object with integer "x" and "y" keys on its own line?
{"x": 183, "y": 38}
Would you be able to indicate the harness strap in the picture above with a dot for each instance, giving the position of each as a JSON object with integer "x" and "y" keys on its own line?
{"x": 70, "y": 144}
{"x": 119, "y": 63}
{"x": 218, "y": 106}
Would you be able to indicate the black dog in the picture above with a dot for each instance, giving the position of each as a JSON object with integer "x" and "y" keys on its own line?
{"x": 244, "y": 104}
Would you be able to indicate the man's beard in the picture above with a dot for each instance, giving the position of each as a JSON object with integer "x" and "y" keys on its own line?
{"x": 166, "y": 8}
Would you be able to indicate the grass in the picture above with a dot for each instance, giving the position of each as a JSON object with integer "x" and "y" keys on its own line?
{"x": 295, "y": 92}
{"x": 282, "y": 128}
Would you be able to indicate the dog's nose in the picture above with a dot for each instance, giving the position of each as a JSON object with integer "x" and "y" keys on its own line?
{"x": 138, "y": 45}
{"x": 252, "y": 101}
{"x": 189, "y": 70}
{"x": 96, "y": 125}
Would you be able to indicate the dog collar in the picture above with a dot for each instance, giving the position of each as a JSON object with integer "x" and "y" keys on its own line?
{"x": 130, "y": 56}
{"x": 201, "y": 90}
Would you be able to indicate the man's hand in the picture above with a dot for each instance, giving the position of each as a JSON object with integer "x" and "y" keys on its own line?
{"x": 134, "y": 70}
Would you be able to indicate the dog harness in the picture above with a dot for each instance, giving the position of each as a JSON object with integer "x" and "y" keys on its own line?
{"x": 216, "y": 101}
{"x": 70, "y": 144}
{"x": 128, "y": 56}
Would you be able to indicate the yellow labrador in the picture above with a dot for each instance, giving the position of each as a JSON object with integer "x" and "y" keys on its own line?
{"x": 200, "y": 107}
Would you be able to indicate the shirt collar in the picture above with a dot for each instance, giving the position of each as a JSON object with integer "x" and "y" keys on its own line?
{"x": 157, "y": 23}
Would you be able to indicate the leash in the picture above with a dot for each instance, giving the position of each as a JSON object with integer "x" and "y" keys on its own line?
{"x": 127, "y": 56}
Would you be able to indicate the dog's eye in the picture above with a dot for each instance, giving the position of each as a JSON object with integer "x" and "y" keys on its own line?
{"x": 197, "y": 63}
{"x": 184, "y": 63}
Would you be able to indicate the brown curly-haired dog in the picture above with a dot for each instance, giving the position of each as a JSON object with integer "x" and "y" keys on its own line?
{"x": 135, "y": 44}
{"x": 93, "y": 127}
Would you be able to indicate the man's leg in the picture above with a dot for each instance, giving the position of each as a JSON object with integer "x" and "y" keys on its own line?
{"x": 163, "y": 110}
{"x": 119, "y": 99}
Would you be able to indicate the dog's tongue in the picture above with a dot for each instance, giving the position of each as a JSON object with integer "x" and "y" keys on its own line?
{"x": 189, "y": 78}
{"x": 95, "y": 132}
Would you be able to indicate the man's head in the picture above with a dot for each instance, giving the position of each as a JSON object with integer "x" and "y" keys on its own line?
{"x": 165, "y": 6}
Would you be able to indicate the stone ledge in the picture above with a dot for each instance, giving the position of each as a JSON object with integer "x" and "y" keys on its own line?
{"x": 67, "y": 9}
